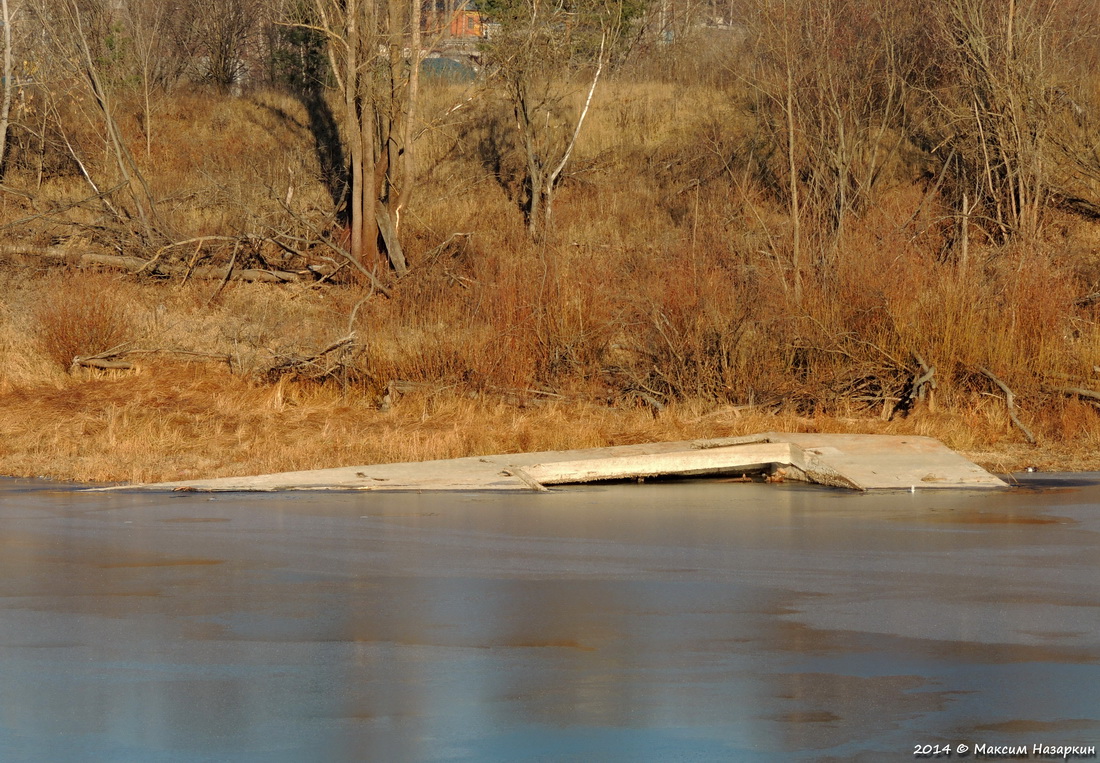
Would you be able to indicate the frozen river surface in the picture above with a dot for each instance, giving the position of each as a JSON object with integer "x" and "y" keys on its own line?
{"x": 690, "y": 621}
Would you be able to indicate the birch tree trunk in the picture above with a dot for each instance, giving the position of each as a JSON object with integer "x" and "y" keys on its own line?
{"x": 539, "y": 60}
{"x": 5, "y": 103}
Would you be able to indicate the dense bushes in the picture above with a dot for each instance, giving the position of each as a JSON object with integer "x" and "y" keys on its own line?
{"x": 680, "y": 265}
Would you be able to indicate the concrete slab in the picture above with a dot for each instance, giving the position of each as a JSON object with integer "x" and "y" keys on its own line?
{"x": 859, "y": 462}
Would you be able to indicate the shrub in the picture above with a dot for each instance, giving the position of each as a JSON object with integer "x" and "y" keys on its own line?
{"x": 84, "y": 316}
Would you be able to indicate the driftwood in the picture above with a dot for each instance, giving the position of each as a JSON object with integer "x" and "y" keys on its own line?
{"x": 1010, "y": 402}
{"x": 311, "y": 367}
{"x": 1087, "y": 394}
{"x": 112, "y": 359}
{"x": 115, "y": 365}
{"x": 151, "y": 267}
{"x": 914, "y": 392}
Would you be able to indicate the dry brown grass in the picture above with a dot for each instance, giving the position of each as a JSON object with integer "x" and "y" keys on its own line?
{"x": 174, "y": 422}
{"x": 667, "y": 278}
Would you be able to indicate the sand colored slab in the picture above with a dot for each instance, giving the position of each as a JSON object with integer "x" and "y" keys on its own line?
{"x": 859, "y": 462}
{"x": 695, "y": 462}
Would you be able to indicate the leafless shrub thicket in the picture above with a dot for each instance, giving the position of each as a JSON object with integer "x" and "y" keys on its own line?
{"x": 85, "y": 317}
{"x": 987, "y": 96}
{"x": 810, "y": 201}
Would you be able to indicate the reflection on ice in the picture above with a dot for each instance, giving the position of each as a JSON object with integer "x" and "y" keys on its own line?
{"x": 626, "y": 623}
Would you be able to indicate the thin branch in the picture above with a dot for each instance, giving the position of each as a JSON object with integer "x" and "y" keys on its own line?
{"x": 355, "y": 263}
{"x": 580, "y": 120}
{"x": 1088, "y": 394}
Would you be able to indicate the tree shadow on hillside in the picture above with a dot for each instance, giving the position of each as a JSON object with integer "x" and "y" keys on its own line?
{"x": 300, "y": 64}
{"x": 326, "y": 144}
{"x": 498, "y": 151}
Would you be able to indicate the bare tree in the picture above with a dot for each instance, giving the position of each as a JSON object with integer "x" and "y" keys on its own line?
{"x": 8, "y": 17}
{"x": 219, "y": 36}
{"x": 830, "y": 84}
{"x": 540, "y": 53}
{"x": 776, "y": 77}
{"x": 994, "y": 105}
{"x": 77, "y": 36}
{"x": 157, "y": 63}
{"x": 373, "y": 50}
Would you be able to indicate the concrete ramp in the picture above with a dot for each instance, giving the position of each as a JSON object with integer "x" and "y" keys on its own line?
{"x": 858, "y": 462}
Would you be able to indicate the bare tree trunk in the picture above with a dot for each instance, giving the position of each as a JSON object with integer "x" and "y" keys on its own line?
{"x": 358, "y": 118}
{"x": 124, "y": 160}
{"x": 539, "y": 60}
{"x": 354, "y": 134}
{"x": 792, "y": 169}
{"x": 393, "y": 174}
{"x": 5, "y": 104}
{"x": 550, "y": 183}
{"x": 412, "y": 97}
{"x": 535, "y": 180}
{"x": 366, "y": 48}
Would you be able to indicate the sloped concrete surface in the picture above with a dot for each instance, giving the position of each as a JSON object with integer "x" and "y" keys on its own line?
{"x": 859, "y": 462}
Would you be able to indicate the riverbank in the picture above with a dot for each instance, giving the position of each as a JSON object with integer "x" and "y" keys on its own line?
{"x": 190, "y": 421}
{"x": 670, "y": 300}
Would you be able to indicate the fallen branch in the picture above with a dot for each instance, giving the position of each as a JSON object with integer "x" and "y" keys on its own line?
{"x": 135, "y": 265}
{"x": 327, "y": 241}
{"x": 228, "y": 274}
{"x": 914, "y": 391}
{"x": 1088, "y": 394}
{"x": 53, "y": 210}
{"x": 342, "y": 342}
{"x": 1010, "y": 402}
{"x": 112, "y": 359}
{"x": 309, "y": 367}
{"x": 656, "y": 405}
{"x": 438, "y": 249}
{"x": 526, "y": 478}
{"x": 117, "y": 365}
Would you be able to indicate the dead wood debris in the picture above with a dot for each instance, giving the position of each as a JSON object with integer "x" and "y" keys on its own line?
{"x": 152, "y": 267}
{"x": 1010, "y": 403}
{"x": 112, "y": 360}
{"x": 1080, "y": 392}
{"x": 921, "y": 385}
{"x": 331, "y": 362}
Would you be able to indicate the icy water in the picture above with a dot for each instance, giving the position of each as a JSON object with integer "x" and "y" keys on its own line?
{"x": 658, "y": 622}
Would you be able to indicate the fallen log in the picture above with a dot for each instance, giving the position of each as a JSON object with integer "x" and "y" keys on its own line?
{"x": 116, "y": 365}
{"x": 112, "y": 359}
{"x": 150, "y": 267}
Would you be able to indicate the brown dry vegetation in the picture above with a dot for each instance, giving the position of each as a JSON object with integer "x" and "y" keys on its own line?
{"x": 660, "y": 306}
